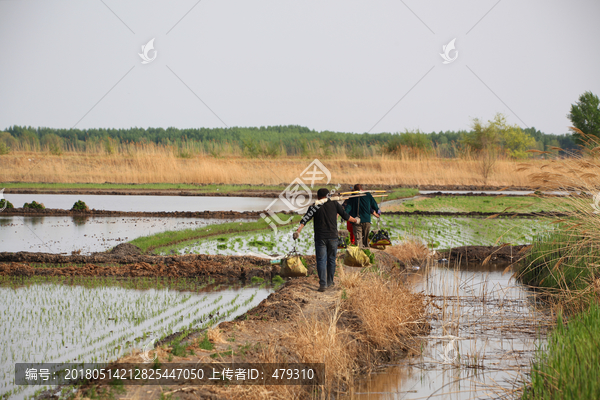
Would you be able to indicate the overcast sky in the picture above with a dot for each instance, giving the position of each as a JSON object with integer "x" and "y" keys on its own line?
{"x": 351, "y": 66}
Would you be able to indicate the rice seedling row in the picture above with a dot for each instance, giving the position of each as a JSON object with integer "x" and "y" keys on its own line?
{"x": 53, "y": 322}
{"x": 436, "y": 232}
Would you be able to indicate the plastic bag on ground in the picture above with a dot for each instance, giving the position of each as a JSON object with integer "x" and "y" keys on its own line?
{"x": 355, "y": 257}
{"x": 292, "y": 267}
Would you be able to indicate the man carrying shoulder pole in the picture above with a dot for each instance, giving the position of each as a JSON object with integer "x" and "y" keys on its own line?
{"x": 325, "y": 212}
{"x": 362, "y": 208}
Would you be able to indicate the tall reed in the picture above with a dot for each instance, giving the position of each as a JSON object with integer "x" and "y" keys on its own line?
{"x": 567, "y": 262}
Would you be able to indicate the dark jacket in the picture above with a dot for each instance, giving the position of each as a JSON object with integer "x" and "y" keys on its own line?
{"x": 367, "y": 203}
{"x": 325, "y": 217}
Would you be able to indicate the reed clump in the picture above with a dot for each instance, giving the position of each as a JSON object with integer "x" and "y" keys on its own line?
{"x": 410, "y": 252}
{"x": 152, "y": 164}
{"x": 388, "y": 315}
{"x": 566, "y": 261}
{"x": 568, "y": 367}
{"x": 565, "y": 265}
{"x": 373, "y": 321}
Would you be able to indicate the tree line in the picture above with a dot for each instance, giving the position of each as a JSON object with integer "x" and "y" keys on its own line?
{"x": 485, "y": 139}
{"x": 291, "y": 139}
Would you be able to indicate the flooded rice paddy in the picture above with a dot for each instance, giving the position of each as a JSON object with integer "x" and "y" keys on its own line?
{"x": 101, "y": 319}
{"x": 436, "y": 232}
{"x": 86, "y": 234}
{"x": 148, "y": 203}
{"x": 485, "y": 331}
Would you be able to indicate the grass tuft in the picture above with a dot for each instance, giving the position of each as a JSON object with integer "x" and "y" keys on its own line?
{"x": 568, "y": 367}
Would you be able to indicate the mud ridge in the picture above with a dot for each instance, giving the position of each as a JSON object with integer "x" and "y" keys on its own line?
{"x": 478, "y": 214}
{"x": 55, "y": 212}
{"x": 248, "y": 338}
{"x": 147, "y": 192}
{"x": 479, "y": 254}
{"x": 258, "y": 192}
{"x": 219, "y": 269}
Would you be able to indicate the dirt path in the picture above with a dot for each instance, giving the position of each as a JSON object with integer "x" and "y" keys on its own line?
{"x": 245, "y": 337}
{"x": 267, "y": 332}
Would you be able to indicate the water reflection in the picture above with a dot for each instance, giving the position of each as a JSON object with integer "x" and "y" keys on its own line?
{"x": 148, "y": 203}
{"x": 485, "y": 328}
{"x": 86, "y": 234}
{"x": 80, "y": 219}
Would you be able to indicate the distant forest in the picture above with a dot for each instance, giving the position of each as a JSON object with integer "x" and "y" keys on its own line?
{"x": 264, "y": 141}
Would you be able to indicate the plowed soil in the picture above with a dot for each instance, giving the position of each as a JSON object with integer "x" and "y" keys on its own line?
{"x": 219, "y": 268}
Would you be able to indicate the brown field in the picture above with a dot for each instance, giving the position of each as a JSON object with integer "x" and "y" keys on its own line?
{"x": 160, "y": 165}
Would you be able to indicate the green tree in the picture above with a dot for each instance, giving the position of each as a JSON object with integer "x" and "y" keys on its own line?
{"x": 412, "y": 140}
{"x": 498, "y": 136}
{"x": 516, "y": 142}
{"x": 585, "y": 115}
{"x": 7, "y": 142}
{"x": 53, "y": 142}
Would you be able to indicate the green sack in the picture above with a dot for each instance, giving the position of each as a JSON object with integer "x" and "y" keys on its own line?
{"x": 292, "y": 267}
{"x": 355, "y": 257}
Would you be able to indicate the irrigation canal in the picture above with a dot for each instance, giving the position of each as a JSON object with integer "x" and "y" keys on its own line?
{"x": 485, "y": 331}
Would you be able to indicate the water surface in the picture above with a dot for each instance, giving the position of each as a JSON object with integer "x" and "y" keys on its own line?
{"x": 485, "y": 331}
{"x": 148, "y": 203}
{"x": 86, "y": 234}
{"x": 72, "y": 323}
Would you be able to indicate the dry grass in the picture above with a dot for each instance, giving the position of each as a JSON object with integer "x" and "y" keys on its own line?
{"x": 410, "y": 252}
{"x": 373, "y": 320}
{"x": 215, "y": 336}
{"x": 567, "y": 262}
{"x": 390, "y": 314}
{"x": 157, "y": 165}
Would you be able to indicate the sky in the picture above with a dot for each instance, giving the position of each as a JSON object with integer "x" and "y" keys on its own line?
{"x": 347, "y": 66}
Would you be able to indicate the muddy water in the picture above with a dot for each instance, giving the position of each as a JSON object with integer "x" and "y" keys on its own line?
{"x": 69, "y": 323}
{"x": 88, "y": 234}
{"x": 148, "y": 203}
{"x": 485, "y": 331}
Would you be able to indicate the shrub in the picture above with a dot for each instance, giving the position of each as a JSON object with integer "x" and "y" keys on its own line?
{"x": 34, "y": 204}
{"x": 6, "y": 204}
{"x": 4, "y": 149}
{"x": 80, "y": 206}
